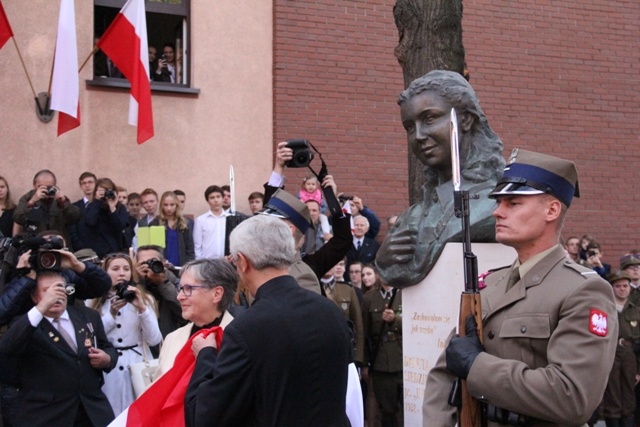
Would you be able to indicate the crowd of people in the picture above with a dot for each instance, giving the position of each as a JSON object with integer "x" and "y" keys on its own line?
{"x": 152, "y": 299}
{"x": 143, "y": 297}
{"x": 293, "y": 315}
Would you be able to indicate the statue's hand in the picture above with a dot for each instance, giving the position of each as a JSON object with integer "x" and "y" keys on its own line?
{"x": 399, "y": 247}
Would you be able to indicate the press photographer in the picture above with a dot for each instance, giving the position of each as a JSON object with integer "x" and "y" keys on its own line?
{"x": 161, "y": 283}
{"x": 20, "y": 265}
{"x": 40, "y": 253}
{"x": 105, "y": 219}
{"x": 46, "y": 207}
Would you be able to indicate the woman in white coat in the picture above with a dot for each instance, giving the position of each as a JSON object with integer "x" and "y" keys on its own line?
{"x": 129, "y": 317}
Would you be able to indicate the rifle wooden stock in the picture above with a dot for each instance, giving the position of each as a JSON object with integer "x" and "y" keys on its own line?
{"x": 470, "y": 414}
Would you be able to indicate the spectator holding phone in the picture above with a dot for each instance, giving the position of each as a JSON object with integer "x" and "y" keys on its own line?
{"x": 594, "y": 258}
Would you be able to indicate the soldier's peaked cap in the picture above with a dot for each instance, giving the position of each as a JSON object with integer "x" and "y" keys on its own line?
{"x": 529, "y": 173}
{"x": 284, "y": 205}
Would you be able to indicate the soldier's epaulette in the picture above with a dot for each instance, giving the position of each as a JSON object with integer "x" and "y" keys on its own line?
{"x": 583, "y": 271}
{"x": 493, "y": 270}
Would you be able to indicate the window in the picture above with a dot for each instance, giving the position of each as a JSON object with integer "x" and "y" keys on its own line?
{"x": 167, "y": 31}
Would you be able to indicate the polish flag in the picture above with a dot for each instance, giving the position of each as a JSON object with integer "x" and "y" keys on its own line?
{"x": 5, "y": 28}
{"x": 162, "y": 404}
{"x": 125, "y": 43}
{"x": 65, "y": 88}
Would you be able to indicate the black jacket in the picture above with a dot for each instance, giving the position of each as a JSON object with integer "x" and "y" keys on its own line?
{"x": 282, "y": 363}
{"x": 56, "y": 380}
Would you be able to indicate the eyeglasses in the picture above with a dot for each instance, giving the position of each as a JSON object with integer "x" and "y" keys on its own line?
{"x": 188, "y": 289}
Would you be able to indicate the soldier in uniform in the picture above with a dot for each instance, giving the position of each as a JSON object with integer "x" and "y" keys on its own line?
{"x": 345, "y": 297}
{"x": 619, "y": 398}
{"x": 382, "y": 311}
{"x": 549, "y": 325}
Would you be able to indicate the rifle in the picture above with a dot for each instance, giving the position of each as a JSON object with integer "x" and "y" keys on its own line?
{"x": 470, "y": 410}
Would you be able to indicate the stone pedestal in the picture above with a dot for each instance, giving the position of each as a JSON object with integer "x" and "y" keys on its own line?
{"x": 430, "y": 311}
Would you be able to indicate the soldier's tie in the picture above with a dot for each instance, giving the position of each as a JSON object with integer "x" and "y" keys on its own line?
{"x": 513, "y": 278}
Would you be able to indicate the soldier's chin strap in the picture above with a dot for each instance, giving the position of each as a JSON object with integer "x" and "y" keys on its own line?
{"x": 332, "y": 200}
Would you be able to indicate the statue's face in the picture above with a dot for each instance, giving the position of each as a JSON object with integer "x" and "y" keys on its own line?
{"x": 425, "y": 117}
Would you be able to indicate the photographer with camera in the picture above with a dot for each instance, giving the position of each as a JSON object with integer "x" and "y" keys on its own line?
{"x": 336, "y": 248}
{"x": 83, "y": 280}
{"x": 161, "y": 284}
{"x": 129, "y": 320}
{"x": 105, "y": 219}
{"x": 46, "y": 207}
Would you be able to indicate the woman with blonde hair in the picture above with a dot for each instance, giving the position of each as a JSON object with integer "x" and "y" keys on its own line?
{"x": 179, "y": 248}
{"x": 7, "y": 207}
{"x": 131, "y": 323}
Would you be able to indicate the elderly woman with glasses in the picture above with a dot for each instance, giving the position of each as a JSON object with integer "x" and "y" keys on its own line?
{"x": 205, "y": 292}
{"x": 131, "y": 324}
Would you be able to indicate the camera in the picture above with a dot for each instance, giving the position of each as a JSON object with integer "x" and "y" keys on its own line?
{"x": 51, "y": 191}
{"x": 124, "y": 293}
{"x": 592, "y": 253}
{"x": 302, "y": 154}
{"x": 110, "y": 194}
{"x": 45, "y": 258}
{"x": 155, "y": 265}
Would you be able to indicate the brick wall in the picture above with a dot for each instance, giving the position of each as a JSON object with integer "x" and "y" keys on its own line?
{"x": 557, "y": 77}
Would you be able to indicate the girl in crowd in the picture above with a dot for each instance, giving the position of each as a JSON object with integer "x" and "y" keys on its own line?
{"x": 179, "y": 247}
{"x": 370, "y": 278}
{"x": 7, "y": 207}
{"x": 105, "y": 219}
{"x": 129, "y": 319}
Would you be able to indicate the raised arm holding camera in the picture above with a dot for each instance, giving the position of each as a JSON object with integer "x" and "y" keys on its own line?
{"x": 297, "y": 153}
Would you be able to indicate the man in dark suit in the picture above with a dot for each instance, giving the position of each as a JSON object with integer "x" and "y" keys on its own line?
{"x": 284, "y": 361}
{"x": 363, "y": 249}
{"x": 63, "y": 352}
{"x": 78, "y": 231}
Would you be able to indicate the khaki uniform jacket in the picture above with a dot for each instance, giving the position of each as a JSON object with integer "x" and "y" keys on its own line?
{"x": 344, "y": 295}
{"x": 389, "y": 352}
{"x": 549, "y": 349}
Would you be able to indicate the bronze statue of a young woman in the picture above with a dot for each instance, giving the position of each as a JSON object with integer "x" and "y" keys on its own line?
{"x": 417, "y": 239}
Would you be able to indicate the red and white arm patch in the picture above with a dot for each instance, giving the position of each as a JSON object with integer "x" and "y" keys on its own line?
{"x": 481, "y": 276}
{"x": 598, "y": 323}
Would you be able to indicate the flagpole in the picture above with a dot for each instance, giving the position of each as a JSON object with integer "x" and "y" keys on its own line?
{"x": 24, "y": 67}
{"x": 93, "y": 52}
{"x": 53, "y": 64}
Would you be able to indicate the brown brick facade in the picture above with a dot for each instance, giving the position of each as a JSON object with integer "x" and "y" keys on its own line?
{"x": 558, "y": 77}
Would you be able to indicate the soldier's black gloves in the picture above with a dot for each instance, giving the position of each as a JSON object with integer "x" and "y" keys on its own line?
{"x": 462, "y": 351}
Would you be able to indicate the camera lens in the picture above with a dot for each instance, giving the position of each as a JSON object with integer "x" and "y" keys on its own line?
{"x": 48, "y": 260}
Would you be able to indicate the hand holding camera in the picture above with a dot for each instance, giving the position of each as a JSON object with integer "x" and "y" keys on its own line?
{"x": 44, "y": 192}
{"x": 52, "y": 296}
{"x": 153, "y": 270}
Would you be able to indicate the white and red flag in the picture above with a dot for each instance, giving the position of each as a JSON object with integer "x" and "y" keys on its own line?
{"x": 5, "y": 28}
{"x": 125, "y": 43}
{"x": 65, "y": 87}
{"x": 162, "y": 404}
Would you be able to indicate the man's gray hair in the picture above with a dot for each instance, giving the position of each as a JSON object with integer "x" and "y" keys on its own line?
{"x": 362, "y": 218}
{"x": 212, "y": 273}
{"x": 264, "y": 240}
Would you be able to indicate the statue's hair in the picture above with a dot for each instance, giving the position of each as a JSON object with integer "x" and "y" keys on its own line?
{"x": 484, "y": 155}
